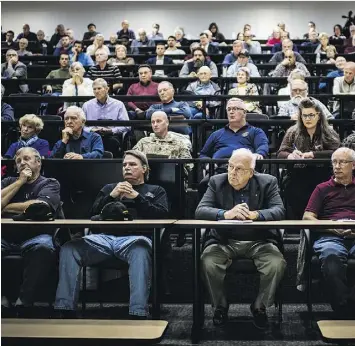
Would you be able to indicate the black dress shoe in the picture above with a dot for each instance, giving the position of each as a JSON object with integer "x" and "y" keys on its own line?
{"x": 220, "y": 317}
{"x": 260, "y": 320}
{"x": 25, "y": 311}
{"x": 7, "y": 312}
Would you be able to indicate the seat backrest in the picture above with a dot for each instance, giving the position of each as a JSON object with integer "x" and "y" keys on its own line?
{"x": 107, "y": 155}
{"x": 22, "y": 108}
{"x": 256, "y": 116}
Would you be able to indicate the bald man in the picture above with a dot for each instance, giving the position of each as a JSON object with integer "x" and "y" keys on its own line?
{"x": 203, "y": 86}
{"x": 126, "y": 31}
{"x": 162, "y": 142}
{"x": 345, "y": 85}
{"x": 287, "y": 44}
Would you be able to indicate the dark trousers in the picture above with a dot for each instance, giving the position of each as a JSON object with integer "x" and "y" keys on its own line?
{"x": 40, "y": 261}
{"x": 333, "y": 253}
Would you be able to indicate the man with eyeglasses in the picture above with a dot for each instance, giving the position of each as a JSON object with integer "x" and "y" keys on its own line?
{"x": 335, "y": 200}
{"x": 14, "y": 69}
{"x": 299, "y": 91}
{"x": 241, "y": 194}
{"x": 253, "y": 47}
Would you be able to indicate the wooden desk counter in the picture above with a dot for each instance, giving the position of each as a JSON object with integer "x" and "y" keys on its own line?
{"x": 333, "y": 331}
{"x": 319, "y": 224}
{"x": 82, "y": 329}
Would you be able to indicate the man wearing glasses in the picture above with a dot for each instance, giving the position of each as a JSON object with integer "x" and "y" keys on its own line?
{"x": 335, "y": 200}
{"x": 14, "y": 69}
{"x": 241, "y": 194}
{"x": 286, "y": 66}
{"x": 299, "y": 91}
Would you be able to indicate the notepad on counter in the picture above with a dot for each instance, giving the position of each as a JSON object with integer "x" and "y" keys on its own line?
{"x": 236, "y": 221}
{"x": 346, "y": 220}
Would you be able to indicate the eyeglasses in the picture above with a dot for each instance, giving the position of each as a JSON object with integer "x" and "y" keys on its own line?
{"x": 238, "y": 169}
{"x": 341, "y": 163}
{"x": 309, "y": 116}
{"x": 234, "y": 109}
{"x": 11, "y": 54}
{"x": 298, "y": 90}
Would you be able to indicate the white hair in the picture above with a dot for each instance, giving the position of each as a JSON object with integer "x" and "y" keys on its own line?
{"x": 243, "y": 152}
{"x": 348, "y": 151}
{"x": 100, "y": 81}
{"x": 77, "y": 110}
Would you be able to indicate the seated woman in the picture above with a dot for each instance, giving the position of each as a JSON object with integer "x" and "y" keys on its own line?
{"x": 121, "y": 57}
{"x": 275, "y": 38}
{"x": 30, "y": 127}
{"x": 98, "y": 43}
{"x": 243, "y": 87}
{"x": 324, "y": 43}
{"x": 330, "y": 52}
{"x": 295, "y": 74}
{"x": 77, "y": 85}
{"x": 338, "y": 38}
{"x": 310, "y": 138}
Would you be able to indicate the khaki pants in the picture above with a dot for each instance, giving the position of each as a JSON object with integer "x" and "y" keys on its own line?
{"x": 267, "y": 258}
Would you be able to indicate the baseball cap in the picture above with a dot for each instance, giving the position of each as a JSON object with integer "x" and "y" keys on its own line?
{"x": 36, "y": 212}
{"x": 244, "y": 52}
{"x": 113, "y": 211}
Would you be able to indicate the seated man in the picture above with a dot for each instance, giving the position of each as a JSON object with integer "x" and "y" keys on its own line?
{"x": 43, "y": 46}
{"x": 170, "y": 106}
{"x": 206, "y": 45}
{"x": 164, "y": 142}
{"x": 125, "y": 31}
{"x": 335, "y": 200}
{"x": 144, "y": 87}
{"x": 91, "y": 33}
{"x": 236, "y": 134}
{"x": 76, "y": 143}
{"x": 18, "y": 193}
{"x": 172, "y": 48}
{"x": 143, "y": 41}
{"x": 64, "y": 46}
{"x": 9, "y": 42}
{"x": 345, "y": 85}
{"x": 27, "y": 34}
{"x": 340, "y": 62}
{"x": 62, "y": 72}
{"x": 253, "y": 47}
{"x": 231, "y": 196}
{"x": 23, "y": 44}
{"x": 104, "y": 70}
{"x": 14, "y": 69}
{"x": 243, "y": 61}
{"x": 7, "y": 112}
{"x": 160, "y": 59}
{"x": 203, "y": 86}
{"x": 287, "y": 44}
{"x": 79, "y": 56}
{"x": 231, "y": 58}
{"x": 148, "y": 202}
{"x": 284, "y": 68}
{"x": 299, "y": 90}
{"x": 199, "y": 59}
{"x": 103, "y": 107}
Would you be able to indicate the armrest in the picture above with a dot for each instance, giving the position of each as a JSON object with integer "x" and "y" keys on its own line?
{"x": 307, "y": 236}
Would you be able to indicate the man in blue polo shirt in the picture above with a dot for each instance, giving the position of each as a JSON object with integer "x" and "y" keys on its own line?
{"x": 236, "y": 134}
{"x": 78, "y": 55}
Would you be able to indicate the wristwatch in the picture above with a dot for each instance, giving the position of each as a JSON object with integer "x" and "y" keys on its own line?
{"x": 220, "y": 214}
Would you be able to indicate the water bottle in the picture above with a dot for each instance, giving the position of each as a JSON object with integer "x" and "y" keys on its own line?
{"x": 44, "y": 48}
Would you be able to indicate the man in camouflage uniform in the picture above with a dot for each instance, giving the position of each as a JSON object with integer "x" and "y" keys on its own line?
{"x": 349, "y": 142}
{"x": 163, "y": 142}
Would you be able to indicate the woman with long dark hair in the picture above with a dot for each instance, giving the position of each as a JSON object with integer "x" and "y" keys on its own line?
{"x": 216, "y": 35}
{"x": 310, "y": 138}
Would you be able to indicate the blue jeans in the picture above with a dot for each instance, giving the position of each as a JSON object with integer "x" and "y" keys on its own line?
{"x": 40, "y": 259}
{"x": 333, "y": 253}
{"x": 96, "y": 248}
{"x": 196, "y": 113}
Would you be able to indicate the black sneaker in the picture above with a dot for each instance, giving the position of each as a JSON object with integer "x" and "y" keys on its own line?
{"x": 260, "y": 320}
{"x": 220, "y": 317}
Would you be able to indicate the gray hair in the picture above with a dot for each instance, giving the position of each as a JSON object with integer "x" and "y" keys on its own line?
{"x": 299, "y": 81}
{"x": 34, "y": 151}
{"x": 166, "y": 82}
{"x": 348, "y": 151}
{"x": 142, "y": 157}
{"x": 12, "y": 51}
{"x": 100, "y": 36}
{"x": 296, "y": 74}
{"x": 77, "y": 64}
{"x": 100, "y": 81}
{"x": 141, "y": 31}
{"x": 76, "y": 110}
{"x": 245, "y": 153}
{"x": 34, "y": 120}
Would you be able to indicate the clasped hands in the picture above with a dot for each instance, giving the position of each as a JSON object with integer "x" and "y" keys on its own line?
{"x": 124, "y": 189}
{"x": 241, "y": 212}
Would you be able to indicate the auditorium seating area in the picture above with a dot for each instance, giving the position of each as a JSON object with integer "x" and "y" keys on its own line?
{"x": 105, "y": 291}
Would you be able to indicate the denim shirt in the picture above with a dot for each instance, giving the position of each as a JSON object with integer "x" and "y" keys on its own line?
{"x": 89, "y": 145}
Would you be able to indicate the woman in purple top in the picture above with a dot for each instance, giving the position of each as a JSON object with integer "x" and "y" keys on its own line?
{"x": 30, "y": 126}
